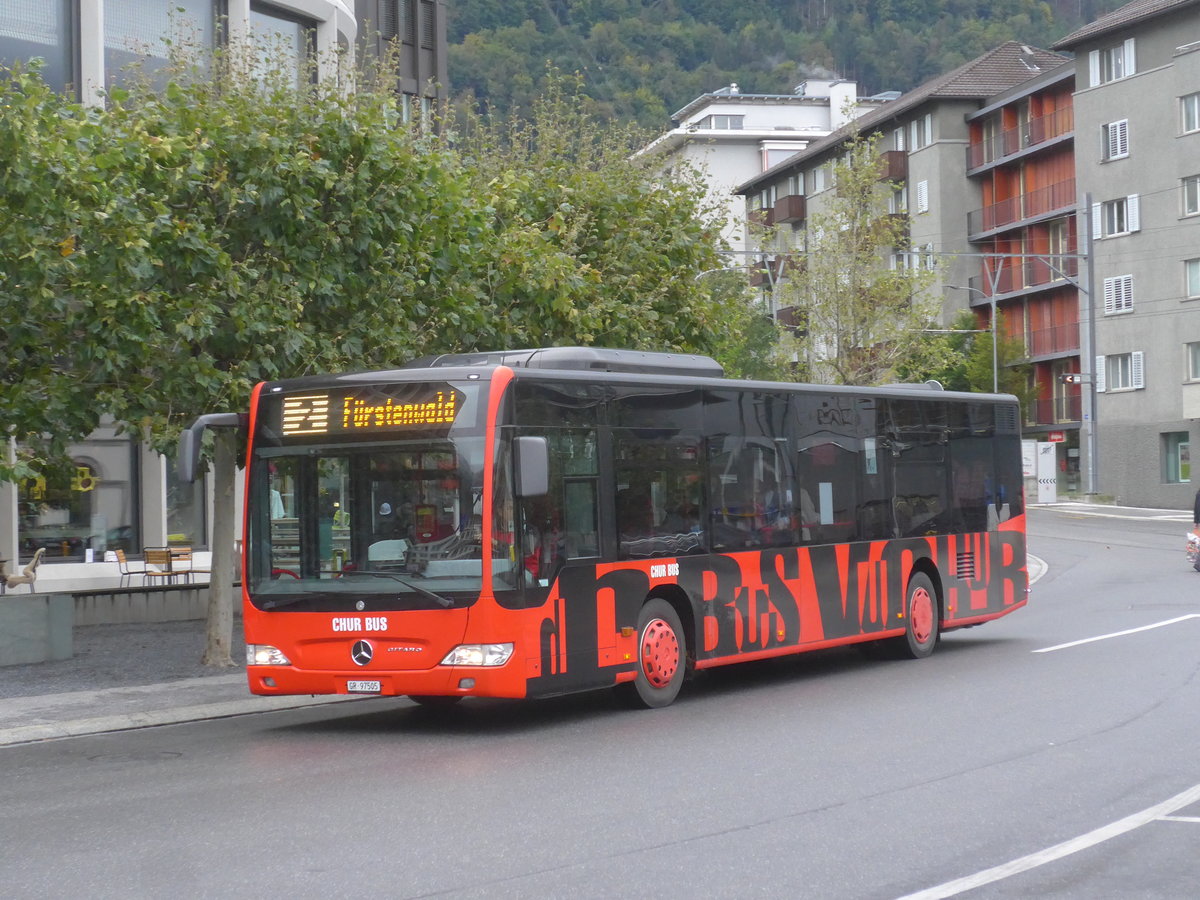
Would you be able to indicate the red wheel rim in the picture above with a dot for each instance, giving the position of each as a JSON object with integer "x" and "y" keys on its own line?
{"x": 920, "y": 614}
{"x": 660, "y": 653}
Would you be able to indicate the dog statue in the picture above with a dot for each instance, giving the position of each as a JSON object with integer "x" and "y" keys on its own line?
{"x": 29, "y": 573}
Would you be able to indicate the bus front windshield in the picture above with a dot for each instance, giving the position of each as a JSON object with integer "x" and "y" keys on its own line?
{"x": 401, "y": 520}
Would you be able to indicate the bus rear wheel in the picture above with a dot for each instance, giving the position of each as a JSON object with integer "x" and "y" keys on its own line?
{"x": 921, "y": 618}
{"x": 661, "y": 658}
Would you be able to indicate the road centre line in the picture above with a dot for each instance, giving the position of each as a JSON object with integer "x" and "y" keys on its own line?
{"x": 1058, "y": 851}
{"x": 1105, "y": 637}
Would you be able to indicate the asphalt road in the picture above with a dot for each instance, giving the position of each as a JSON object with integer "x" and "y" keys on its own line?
{"x": 1015, "y": 762}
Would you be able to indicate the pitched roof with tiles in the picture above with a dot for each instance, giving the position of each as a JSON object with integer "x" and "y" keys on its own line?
{"x": 986, "y": 75}
{"x": 1121, "y": 18}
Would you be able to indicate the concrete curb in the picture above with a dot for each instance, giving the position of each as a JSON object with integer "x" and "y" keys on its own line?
{"x": 148, "y": 718}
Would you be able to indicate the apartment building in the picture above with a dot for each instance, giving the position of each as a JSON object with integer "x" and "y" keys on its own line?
{"x": 1137, "y": 140}
{"x": 1021, "y": 164}
{"x": 924, "y": 135}
{"x": 729, "y": 137}
{"x": 120, "y": 494}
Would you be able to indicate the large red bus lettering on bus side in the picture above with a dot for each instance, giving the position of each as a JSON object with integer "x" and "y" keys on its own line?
{"x": 773, "y": 602}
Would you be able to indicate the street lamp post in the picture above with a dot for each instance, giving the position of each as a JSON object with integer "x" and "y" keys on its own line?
{"x": 992, "y": 303}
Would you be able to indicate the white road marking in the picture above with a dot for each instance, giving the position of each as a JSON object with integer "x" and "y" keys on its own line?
{"x": 1195, "y": 820}
{"x": 1058, "y": 851}
{"x": 1105, "y": 637}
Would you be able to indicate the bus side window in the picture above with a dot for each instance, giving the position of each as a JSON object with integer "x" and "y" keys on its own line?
{"x": 827, "y": 474}
{"x": 658, "y": 494}
{"x": 564, "y": 523}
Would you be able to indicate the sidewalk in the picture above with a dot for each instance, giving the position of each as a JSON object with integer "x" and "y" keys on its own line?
{"x": 1111, "y": 511}
{"x": 128, "y": 676}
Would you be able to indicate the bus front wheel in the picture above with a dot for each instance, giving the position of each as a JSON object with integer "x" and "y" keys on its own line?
{"x": 661, "y": 658}
{"x": 921, "y": 618}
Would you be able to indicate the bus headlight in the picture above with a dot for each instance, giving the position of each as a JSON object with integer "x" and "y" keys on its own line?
{"x": 478, "y": 655}
{"x": 265, "y": 655}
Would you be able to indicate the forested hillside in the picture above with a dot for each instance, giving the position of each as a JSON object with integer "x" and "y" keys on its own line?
{"x": 644, "y": 59}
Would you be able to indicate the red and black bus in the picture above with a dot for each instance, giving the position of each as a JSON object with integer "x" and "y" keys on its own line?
{"x": 537, "y": 522}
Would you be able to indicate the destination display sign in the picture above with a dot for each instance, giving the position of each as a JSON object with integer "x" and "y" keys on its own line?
{"x": 390, "y": 409}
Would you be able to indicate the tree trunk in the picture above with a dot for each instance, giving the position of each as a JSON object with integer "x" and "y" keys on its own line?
{"x": 219, "y": 637}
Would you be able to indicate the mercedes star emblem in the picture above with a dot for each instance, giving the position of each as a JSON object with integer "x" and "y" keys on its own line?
{"x": 361, "y": 652}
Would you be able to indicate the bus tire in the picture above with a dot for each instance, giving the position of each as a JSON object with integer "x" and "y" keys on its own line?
{"x": 434, "y": 701}
{"x": 921, "y": 621}
{"x": 661, "y": 658}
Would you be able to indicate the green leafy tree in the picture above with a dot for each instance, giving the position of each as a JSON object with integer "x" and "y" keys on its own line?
{"x": 968, "y": 362}
{"x": 865, "y": 321}
{"x": 592, "y": 247}
{"x": 210, "y": 235}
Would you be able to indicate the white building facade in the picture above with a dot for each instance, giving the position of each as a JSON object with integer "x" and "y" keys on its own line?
{"x": 730, "y": 137}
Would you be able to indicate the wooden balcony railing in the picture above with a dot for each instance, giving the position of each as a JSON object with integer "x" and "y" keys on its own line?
{"x": 1034, "y": 132}
{"x": 1059, "y": 196}
{"x": 790, "y": 209}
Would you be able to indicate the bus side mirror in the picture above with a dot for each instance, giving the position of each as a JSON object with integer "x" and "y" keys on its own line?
{"x": 532, "y": 466}
{"x": 187, "y": 456}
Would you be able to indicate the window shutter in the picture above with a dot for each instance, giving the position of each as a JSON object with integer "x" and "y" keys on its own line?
{"x": 922, "y": 196}
{"x": 1093, "y": 68}
{"x": 408, "y": 22}
{"x": 1099, "y": 375}
{"x": 928, "y": 120}
{"x": 389, "y": 25}
{"x": 1132, "y": 219}
{"x": 1110, "y": 296}
{"x": 1097, "y": 225}
{"x": 898, "y": 139}
{"x": 1137, "y": 365}
{"x": 1130, "y": 60}
{"x": 428, "y": 25}
{"x": 1117, "y": 139}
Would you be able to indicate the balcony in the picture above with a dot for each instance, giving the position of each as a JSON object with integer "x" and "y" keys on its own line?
{"x": 1052, "y": 199}
{"x": 789, "y": 209}
{"x": 893, "y": 165}
{"x": 1056, "y": 411}
{"x": 763, "y": 218}
{"x": 790, "y": 317}
{"x": 1032, "y": 134}
{"x": 1028, "y": 275}
{"x": 1054, "y": 340}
